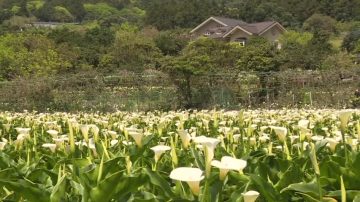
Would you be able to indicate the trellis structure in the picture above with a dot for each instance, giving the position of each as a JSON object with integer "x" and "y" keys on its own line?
{"x": 155, "y": 90}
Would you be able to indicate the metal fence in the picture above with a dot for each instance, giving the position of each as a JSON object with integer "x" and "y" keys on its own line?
{"x": 155, "y": 90}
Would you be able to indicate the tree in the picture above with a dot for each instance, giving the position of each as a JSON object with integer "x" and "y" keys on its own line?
{"x": 350, "y": 40}
{"x": 339, "y": 60}
{"x": 201, "y": 57}
{"x": 132, "y": 50}
{"x": 295, "y": 52}
{"x": 24, "y": 55}
{"x": 321, "y": 26}
{"x": 259, "y": 56}
{"x": 61, "y": 14}
{"x": 101, "y": 12}
{"x": 172, "y": 42}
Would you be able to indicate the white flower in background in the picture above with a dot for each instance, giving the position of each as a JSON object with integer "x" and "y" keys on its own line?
{"x": 85, "y": 132}
{"x": 64, "y": 137}
{"x": 316, "y": 138}
{"x": 159, "y": 150}
{"x": 137, "y": 136}
{"x": 90, "y": 144}
{"x": 95, "y": 131}
{"x": 185, "y": 138}
{"x": 228, "y": 163}
{"x": 325, "y": 129}
{"x": 52, "y": 147}
{"x": 236, "y": 137}
{"x": 252, "y": 141}
{"x": 265, "y": 137}
{"x": 344, "y": 117}
{"x": 23, "y": 131}
{"x": 2, "y": 145}
{"x": 303, "y": 124}
{"x": 209, "y": 143}
{"x": 113, "y": 142}
{"x": 332, "y": 143}
{"x": 127, "y": 143}
{"x": 113, "y": 134}
{"x": 58, "y": 141}
{"x": 250, "y": 196}
{"x": 53, "y": 133}
{"x": 7, "y": 127}
{"x": 280, "y": 132}
{"x": 192, "y": 176}
{"x": 293, "y": 138}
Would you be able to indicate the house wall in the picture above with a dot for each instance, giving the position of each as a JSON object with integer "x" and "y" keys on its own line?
{"x": 201, "y": 31}
{"x": 272, "y": 34}
{"x": 238, "y": 34}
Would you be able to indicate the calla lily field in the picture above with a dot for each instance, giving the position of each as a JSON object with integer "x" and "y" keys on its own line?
{"x": 193, "y": 155}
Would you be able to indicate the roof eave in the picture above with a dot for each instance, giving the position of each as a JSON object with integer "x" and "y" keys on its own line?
{"x": 271, "y": 26}
{"x": 206, "y": 21}
{"x": 235, "y": 28}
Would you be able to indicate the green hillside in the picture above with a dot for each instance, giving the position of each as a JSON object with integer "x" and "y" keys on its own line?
{"x": 108, "y": 36}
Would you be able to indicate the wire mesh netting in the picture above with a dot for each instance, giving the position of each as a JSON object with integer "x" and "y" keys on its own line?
{"x": 155, "y": 90}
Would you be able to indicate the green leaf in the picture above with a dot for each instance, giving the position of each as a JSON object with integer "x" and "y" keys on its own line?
{"x": 199, "y": 161}
{"x": 303, "y": 187}
{"x": 265, "y": 188}
{"x": 292, "y": 175}
{"x": 350, "y": 194}
{"x": 27, "y": 190}
{"x": 115, "y": 186}
{"x": 59, "y": 191}
{"x": 159, "y": 181}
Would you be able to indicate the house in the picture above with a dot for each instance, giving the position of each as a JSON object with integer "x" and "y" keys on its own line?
{"x": 233, "y": 30}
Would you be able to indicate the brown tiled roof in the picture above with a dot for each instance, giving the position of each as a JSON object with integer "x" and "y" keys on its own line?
{"x": 229, "y": 21}
{"x": 257, "y": 28}
{"x": 254, "y": 28}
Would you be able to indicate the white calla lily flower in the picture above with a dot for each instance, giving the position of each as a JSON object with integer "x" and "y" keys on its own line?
{"x": 250, "y": 196}
{"x": 344, "y": 117}
{"x": 137, "y": 136}
{"x": 53, "y": 133}
{"x": 51, "y": 146}
{"x": 192, "y": 176}
{"x": 228, "y": 163}
{"x": 2, "y": 145}
{"x": 159, "y": 150}
{"x": 280, "y": 132}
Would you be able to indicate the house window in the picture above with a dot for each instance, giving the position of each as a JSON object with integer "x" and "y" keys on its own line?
{"x": 241, "y": 41}
{"x": 207, "y": 33}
